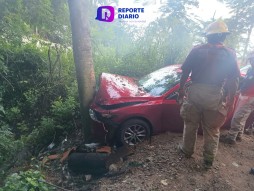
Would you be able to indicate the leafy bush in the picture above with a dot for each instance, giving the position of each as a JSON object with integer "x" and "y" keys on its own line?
{"x": 63, "y": 110}
{"x": 31, "y": 180}
{"x": 38, "y": 79}
{"x": 8, "y": 145}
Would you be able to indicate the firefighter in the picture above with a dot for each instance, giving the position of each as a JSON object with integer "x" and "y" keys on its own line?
{"x": 245, "y": 106}
{"x": 209, "y": 66}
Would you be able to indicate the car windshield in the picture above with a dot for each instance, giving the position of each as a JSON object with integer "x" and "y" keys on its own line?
{"x": 160, "y": 81}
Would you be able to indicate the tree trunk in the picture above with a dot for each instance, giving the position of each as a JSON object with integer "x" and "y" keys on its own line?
{"x": 82, "y": 52}
{"x": 247, "y": 43}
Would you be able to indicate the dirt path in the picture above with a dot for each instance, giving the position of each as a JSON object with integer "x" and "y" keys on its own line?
{"x": 159, "y": 167}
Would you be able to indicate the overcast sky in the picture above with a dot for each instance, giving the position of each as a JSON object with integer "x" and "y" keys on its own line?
{"x": 206, "y": 9}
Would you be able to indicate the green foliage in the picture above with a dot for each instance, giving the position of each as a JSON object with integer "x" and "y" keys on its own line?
{"x": 59, "y": 121}
{"x": 8, "y": 146}
{"x": 241, "y": 24}
{"x": 23, "y": 19}
{"x": 13, "y": 114}
{"x": 40, "y": 81}
{"x": 63, "y": 110}
{"x": 31, "y": 180}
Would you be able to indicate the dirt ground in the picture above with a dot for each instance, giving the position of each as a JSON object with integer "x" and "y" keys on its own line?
{"x": 159, "y": 167}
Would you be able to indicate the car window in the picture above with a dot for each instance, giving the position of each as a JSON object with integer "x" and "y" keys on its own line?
{"x": 160, "y": 81}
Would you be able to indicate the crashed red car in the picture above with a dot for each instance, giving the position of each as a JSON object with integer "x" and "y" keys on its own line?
{"x": 130, "y": 110}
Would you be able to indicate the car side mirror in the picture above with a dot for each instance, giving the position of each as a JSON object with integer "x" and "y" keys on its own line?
{"x": 172, "y": 96}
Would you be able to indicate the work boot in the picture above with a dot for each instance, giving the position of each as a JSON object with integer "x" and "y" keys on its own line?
{"x": 208, "y": 164}
{"x": 227, "y": 140}
{"x": 239, "y": 137}
{"x": 252, "y": 171}
{"x": 181, "y": 151}
{"x": 249, "y": 131}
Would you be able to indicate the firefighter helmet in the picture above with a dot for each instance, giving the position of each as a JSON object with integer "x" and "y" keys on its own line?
{"x": 250, "y": 55}
{"x": 216, "y": 27}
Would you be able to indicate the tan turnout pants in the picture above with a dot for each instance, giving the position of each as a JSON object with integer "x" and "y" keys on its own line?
{"x": 204, "y": 107}
{"x": 244, "y": 107}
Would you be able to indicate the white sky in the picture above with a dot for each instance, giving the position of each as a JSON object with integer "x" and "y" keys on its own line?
{"x": 205, "y": 11}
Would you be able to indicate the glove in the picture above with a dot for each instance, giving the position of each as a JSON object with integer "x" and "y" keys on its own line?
{"x": 180, "y": 96}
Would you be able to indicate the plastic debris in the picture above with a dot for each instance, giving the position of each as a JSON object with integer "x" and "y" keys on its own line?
{"x": 164, "y": 182}
{"x": 104, "y": 149}
{"x": 92, "y": 145}
{"x": 235, "y": 164}
{"x": 51, "y": 145}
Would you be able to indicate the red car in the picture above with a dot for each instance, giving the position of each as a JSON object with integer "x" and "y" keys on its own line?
{"x": 131, "y": 110}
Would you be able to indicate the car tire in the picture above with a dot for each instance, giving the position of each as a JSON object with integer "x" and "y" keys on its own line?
{"x": 132, "y": 132}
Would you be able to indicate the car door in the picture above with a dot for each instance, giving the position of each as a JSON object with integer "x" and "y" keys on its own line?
{"x": 171, "y": 119}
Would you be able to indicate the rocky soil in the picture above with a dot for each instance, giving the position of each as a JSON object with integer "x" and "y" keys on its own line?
{"x": 159, "y": 167}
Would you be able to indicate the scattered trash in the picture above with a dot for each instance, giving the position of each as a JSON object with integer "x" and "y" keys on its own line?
{"x": 105, "y": 149}
{"x": 66, "y": 154}
{"x": 86, "y": 148}
{"x": 92, "y": 159}
{"x": 88, "y": 177}
{"x": 92, "y": 145}
{"x": 62, "y": 157}
{"x": 113, "y": 168}
{"x": 53, "y": 157}
{"x": 164, "y": 182}
{"x": 88, "y": 163}
{"x": 235, "y": 164}
{"x": 51, "y": 145}
{"x": 63, "y": 143}
{"x": 252, "y": 171}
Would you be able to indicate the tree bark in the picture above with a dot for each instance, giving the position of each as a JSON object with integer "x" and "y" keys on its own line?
{"x": 247, "y": 43}
{"x": 82, "y": 52}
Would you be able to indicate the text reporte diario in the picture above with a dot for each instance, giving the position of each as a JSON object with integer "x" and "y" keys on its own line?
{"x": 129, "y": 13}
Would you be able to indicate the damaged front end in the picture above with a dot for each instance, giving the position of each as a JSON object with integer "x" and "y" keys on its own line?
{"x": 110, "y": 117}
{"x": 115, "y": 97}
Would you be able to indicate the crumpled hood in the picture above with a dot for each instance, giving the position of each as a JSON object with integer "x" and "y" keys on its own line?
{"x": 116, "y": 89}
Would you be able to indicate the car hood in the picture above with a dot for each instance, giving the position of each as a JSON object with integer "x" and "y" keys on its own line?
{"x": 116, "y": 89}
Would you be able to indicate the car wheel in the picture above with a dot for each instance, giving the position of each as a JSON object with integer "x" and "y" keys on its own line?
{"x": 133, "y": 131}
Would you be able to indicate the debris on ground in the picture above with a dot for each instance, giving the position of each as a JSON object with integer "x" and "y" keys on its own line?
{"x": 158, "y": 166}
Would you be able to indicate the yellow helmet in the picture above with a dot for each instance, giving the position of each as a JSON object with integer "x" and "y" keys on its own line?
{"x": 216, "y": 27}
